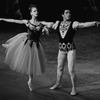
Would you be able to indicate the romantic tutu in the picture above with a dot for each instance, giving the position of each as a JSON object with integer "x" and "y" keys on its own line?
{"x": 22, "y": 57}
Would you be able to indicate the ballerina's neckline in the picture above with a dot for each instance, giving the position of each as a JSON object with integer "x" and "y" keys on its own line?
{"x": 34, "y": 24}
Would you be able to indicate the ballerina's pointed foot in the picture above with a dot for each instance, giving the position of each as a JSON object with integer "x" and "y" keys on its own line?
{"x": 3, "y": 45}
{"x": 55, "y": 86}
{"x": 73, "y": 93}
{"x": 30, "y": 85}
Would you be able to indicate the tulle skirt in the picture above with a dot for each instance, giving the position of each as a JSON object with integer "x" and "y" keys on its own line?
{"x": 22, "y": 57}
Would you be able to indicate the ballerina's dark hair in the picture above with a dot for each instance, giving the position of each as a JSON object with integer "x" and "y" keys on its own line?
{"x": 32, "y": 6}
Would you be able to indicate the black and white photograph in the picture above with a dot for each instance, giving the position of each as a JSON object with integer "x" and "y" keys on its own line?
{"x": 49, "y": 50}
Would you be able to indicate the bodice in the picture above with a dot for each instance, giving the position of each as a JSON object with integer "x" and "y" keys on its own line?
{"x": 34, "y": 31}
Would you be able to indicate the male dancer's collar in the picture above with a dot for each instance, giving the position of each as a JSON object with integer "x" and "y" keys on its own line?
{"x": 67, "y": 21}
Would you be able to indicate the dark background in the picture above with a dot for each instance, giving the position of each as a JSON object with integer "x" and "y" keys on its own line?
{"x": 51, "y": 10}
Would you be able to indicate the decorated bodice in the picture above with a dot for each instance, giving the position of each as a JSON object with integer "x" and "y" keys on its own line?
{"x": 34, "y": 31}
{"x": 66, "y": 32}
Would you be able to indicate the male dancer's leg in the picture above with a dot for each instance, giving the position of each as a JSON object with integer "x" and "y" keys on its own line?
{"x": 71, "y": 68}
{"x": 61, "y": 62}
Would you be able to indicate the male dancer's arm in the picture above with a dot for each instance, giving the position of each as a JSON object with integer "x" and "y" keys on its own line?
{"x": 77, "y": 24}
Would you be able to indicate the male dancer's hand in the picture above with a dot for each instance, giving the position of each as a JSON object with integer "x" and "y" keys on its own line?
{"x": 97, "y": 23}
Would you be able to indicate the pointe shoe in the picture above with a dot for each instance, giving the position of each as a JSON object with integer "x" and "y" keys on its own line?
{"x": 73, "y": 93}
{"x": 54, "y": 87}
{"x": 30, "y": 85}
{"x": 3, "y": 45}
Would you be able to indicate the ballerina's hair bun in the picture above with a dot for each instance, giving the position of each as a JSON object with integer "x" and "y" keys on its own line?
{"x": 32, "y": 6}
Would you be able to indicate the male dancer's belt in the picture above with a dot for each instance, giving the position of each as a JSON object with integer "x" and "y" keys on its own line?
{"x": 66, "y": 47}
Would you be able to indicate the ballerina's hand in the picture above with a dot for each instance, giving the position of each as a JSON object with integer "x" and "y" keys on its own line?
{"x": 55, "y": 24}
{"x": 45, "y": 30}
{"x": 0, "y": 19}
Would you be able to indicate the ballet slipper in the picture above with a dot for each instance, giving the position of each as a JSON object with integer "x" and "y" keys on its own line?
{"x": 73, "y": 93}
{"x": 3, "y": 45}
{"x": 30, "y": 85}
{"x": 55, "y": 86}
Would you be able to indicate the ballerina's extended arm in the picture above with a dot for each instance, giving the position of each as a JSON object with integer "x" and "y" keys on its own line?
{"x": 14, "y": 21}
